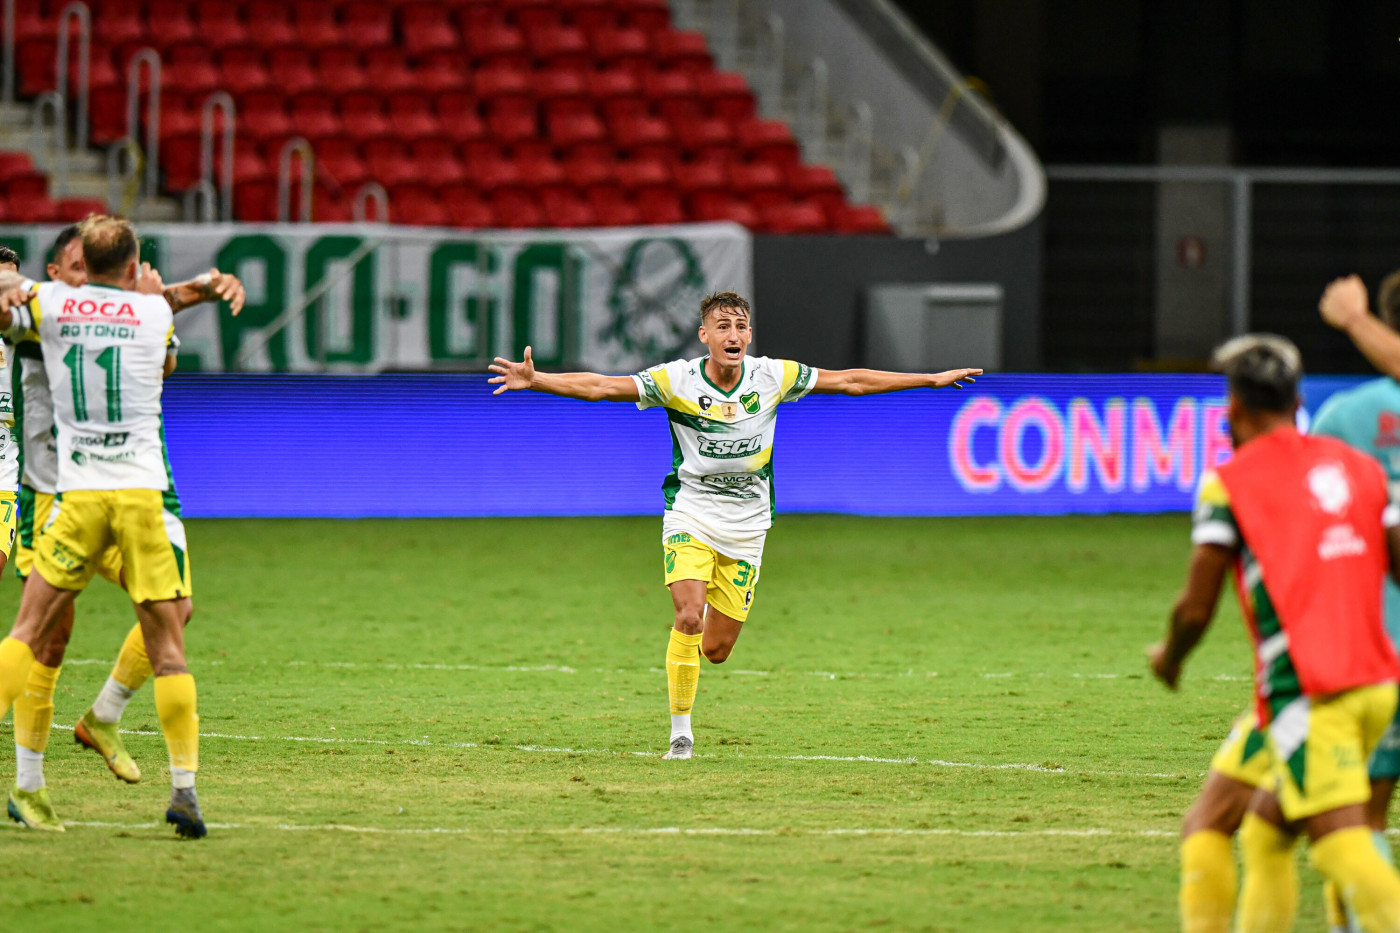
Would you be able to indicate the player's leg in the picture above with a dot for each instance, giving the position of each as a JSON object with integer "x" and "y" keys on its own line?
{"x": 154, "y": 555}
{"x": 730, "y": 596}
{"x": 99, "y": 728}
{"x": 683, "y": 658}
{"x": 1269, "y": 892}
{"x": 1323, "y": 784}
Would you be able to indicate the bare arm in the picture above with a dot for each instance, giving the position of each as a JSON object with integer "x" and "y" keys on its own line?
{"x": 1392, "y": 538}
{"x": 1194, "y": 609}
{"x": 590, "y": 387}
{"x": 211, "y": 286}
{"x": 875, "y": 381}
{"x": 1344, "y": 306}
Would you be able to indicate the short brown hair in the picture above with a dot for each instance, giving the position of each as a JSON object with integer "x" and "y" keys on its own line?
{"x": 718, "y": 300}
{"x": 1388, "y": 299}
{"x": 109, "y": 243}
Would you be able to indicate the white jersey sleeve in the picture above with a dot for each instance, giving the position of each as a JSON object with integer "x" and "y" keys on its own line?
{"x": 656, "y": 387}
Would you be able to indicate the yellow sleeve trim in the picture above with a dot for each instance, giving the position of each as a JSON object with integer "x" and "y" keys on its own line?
{"x": 791, "y": 371}
{"x": 1213, "y": 491}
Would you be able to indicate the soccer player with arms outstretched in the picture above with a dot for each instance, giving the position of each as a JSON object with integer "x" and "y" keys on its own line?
{"x": 722, "y": 409}
{"x": 105, "y": 354}
{"x": 1306, "y": 527}
{"x": 97, "y": 729}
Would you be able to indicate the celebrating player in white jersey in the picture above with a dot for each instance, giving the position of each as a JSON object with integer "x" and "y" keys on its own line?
{"x": 9, "y": 445}
{"x": 104, "y": 354}
{"x": 97, "y": 729}
{"x": 719, "y": 495}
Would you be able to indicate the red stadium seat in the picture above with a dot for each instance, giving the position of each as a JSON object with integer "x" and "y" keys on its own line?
{"x": 270, "y": 24}
{"x": 559, "y": 46}
{"x": 719, "y": 206}
{"x": 263, "y": 115}
{"x": 646, "y": 15}
{"x": 768, "y": 140}
{"x": 15, "y": 164}
{"x": 685, "y": 51}
{"x": 314, "y": 116}
{"x": 589, "y": 15}
{"x": 861, "y": 218}
{"x": 502, "y": 81}
{"x": 819, "y": 184}
{"x": 191, "y": 70}
{"x": 430, "y": 37}
{"x": 411, "y": 116}
{"x": 622, "y": 47}
{"x": 565, "y": 210}
{"x": 34, "y": 60}
{"x": 108, "y": 108}
{"x": 672, "y": 94}
{"x": 614, "y": 209}
{"x": 695, "y": 177}
{"x": 362, "y": 116}
{"x": 466, "y": 208}
{"x": 642, "y": 134}
{"x": 255, "y": 201}
{"x": 793, "y": 217}
{"x": 241, "y": 69}
{"x": 169, "y": 23}
{"x": 180, "y": 114}
{"x": 531, "y": 15}
{"x": 340, "y": 160}
{"x": 331, "y": 207}
{"x": 34, "y": 209}
{"x": 510, "y": 120}
{"x": 761, "y": 183}
{"x": 219, "y": 23}
{"x": 661, "y": 206}
{"x": 437, "y": 161}
{"x": 388, "y": 162}
{"x": 291, "y": 70}
{"x": 567, "y": 129}
{"x": 642, "y": 175}
{"x": 496, "y": 173}
{"x": 119, "y": 21}
{"x": 702, "y": 135}
{"x": 26, "y": 184}
{"x": 368, "y": 24}
{"x": 70, "y": 210}
{"x": 315, "y": 25}
{"x": 516, "y": 210}
{"x": 341, "y": 70}
{"x": 388, "y": 71}
{"x": 417, "y": 206}
{"x": 440, "y": 71}
{"x": 458, "y": 116}
{"x": 542, "y": 174}
{"x": 474, "y": 14}
{"x": 32, "y": 24}
{"x": 588, "y": 172}
{"x": 556, "y": 84}
{"x": 496, "y": 41}
{"x": 727, "y": 94}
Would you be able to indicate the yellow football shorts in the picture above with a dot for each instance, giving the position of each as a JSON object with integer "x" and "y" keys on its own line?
{"x": 149, "y": 537}
{"x": 35, "y": 508}
{"x": 9, "y": 522}
{"x": 1321, "y": 745}
{"x": 729, "y": 583}
{"x": 1244, "y": 755}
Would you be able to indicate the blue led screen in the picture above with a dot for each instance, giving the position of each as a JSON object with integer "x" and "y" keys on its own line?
{"x": 442, "y": 445}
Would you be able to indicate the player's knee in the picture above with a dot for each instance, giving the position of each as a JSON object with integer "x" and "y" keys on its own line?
{"x": 718, "y": 654}
{"x": 690, "y": 620}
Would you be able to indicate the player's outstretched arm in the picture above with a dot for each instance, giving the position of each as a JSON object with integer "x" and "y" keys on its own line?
{"x": 1193, "y": 611}
{"x": 1344, "y": 305}
{"x": 590, "y": 387}
{"x": 875, "y": 381}
{"x": 211, "y": 286}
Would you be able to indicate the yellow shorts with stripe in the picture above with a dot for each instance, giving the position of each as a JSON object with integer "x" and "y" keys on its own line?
{"x": 729, "y": 583}
{"x": 1244, "y": 755}
{"x": 1321, "y": 746}
{"x": 137, "y": 522}
{"x": 35, "y": 508}
{"x": 9, "y": 522}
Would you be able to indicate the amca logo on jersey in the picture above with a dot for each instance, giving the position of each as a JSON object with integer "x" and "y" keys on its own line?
{"x": 726, "y": 448}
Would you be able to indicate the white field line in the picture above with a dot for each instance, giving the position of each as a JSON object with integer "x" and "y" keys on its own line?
{"x": 565, "y": 669}
{"x": 555, "y": 750}
{"x": 653, "y": 831}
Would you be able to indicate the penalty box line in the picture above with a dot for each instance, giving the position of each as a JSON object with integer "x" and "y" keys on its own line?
{"x": 554, "y": 750}
{"x": 731, "y": 672}
{"x": 651, "y": 831}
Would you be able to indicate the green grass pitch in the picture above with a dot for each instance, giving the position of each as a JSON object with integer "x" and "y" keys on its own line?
{"x": 455, "y": 725}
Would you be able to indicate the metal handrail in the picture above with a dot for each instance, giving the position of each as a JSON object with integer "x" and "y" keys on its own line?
{"x": 151, "y": 59}
{"x": 52, "y": 103}
{"x": 129, "y": 179}
{"x": 858, "y": 147}
{"x": 813, "y": 107}
{"x": 219, "y": 100}
{"x": 200, "y": 202}
{"x": 374, "y": 190}
{"x": 724, "y": 32}
{"x": 7, "y": 54}
{"x": 297, "y": 145}
{"x": 905, "y": 206}
{"x": 77, "y": 10}
{"x": 770, "y": 67}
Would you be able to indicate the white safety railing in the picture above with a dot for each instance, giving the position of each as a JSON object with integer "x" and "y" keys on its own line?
{"x": 149, "y": 58}
{"x": 123, "y": 175}
{"x": 371, "y": 191}
{"x": 858, "y": 146}
{"x": 76, "y": 12}
{"x": 768, "y": 77}
{"x": 48, "y": 139}
{"x": 813, "y": 110}
{"x": 1241, "y": 183}
{"x": 201, "y": 202}
{"x": 219, "y": 101}
{"x": 296, "y": 146}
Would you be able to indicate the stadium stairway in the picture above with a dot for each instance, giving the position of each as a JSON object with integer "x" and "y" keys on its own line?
{"x": 512, "y": 113}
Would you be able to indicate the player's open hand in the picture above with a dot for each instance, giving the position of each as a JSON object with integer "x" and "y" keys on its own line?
{"x": 955, "y": 378}
{"x": 226, "y": 287}
{"x": 513, "y": 375}
{"x": 1344, "y": 302}
{"x": 1162, "y": 667}
{"x": 149, "y": 281}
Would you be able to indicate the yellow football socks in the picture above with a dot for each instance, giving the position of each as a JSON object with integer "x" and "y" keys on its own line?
{"x": 682, "y": 671}
{"x": 1269, "y": 896}
{"x": 34, "y": 708}
{"x": 133, "y": 668}
{"x": 15, "y": 659}
{"x": 175, "y": 705}
{"x": 1349, "y": 859}
{"x": 1333, "y": 907}
{"x": 1207, "y": 882}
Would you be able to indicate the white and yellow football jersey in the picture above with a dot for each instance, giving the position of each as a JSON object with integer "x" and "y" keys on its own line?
{"x": 720, "y": 488}
{"x": 104, "y": 352}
